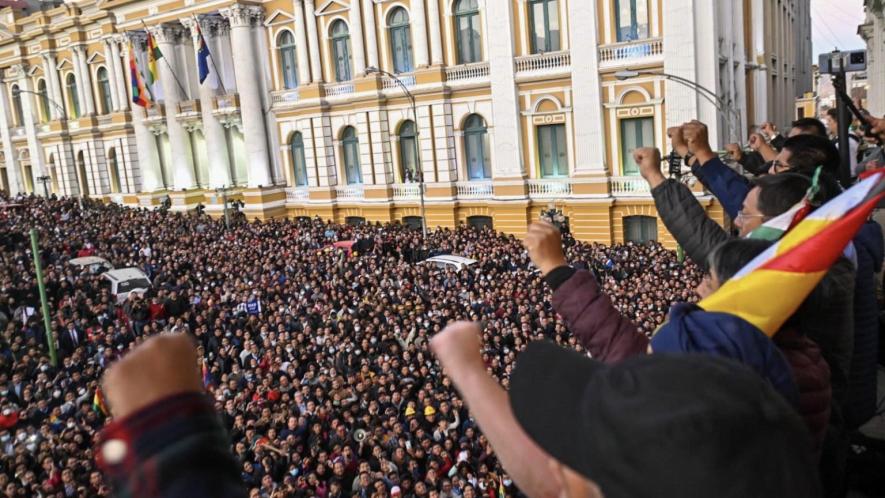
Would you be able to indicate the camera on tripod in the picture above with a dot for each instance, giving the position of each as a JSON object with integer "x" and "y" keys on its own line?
{"x": 843, "y": 62}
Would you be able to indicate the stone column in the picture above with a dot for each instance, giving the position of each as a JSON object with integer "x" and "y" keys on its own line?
{"x": 356, "y": 39}
{"x": 182, "y": 164}
{"x": 242, "y": 19}
{"x": 113, "y": 76}
{"x": 371, "y": 34}
{"x": 419, "y": 33}
{"x": 304, "y": 76}
{"x": 51, "y": 80}
{"x": 589, "y": 131}
{"x": 213, "y": 131}
{"x": 123, "y": 85}
{"x": 316, "y": 68}
{"x": 85, "y": 81}
{"x": 506, "y": 134}
{"x": 436, "y": 43}
{"x": 55, "y": 82}
{"x": 12, "y": 169}
{"x": 34, "y": 147}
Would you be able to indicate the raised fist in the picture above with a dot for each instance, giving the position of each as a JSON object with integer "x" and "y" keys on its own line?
{"x": 649, "y": 161}
{"x": 696, "y": 137}
{"x": 677, "y": 140}
{"x": 734, "y": 151}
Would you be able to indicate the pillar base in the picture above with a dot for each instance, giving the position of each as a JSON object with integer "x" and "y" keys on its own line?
{"x": 151, "y": 200}
{"x": 186, "y": 200}
{"x": 215, "y": 202}
{"x": 311, "y": 91}
{"x": 264, "y": 202}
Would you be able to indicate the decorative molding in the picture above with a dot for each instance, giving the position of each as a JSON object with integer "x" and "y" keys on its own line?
{"x": 635, "y": 112}
{"x": 96, "y": 57}
{"x": 243, "y": 16}
{"x": 272, "y": 19}
{"x": 332, "y": 7}
{"x": 167, "y": 33}
{"x": 549, "y": 119}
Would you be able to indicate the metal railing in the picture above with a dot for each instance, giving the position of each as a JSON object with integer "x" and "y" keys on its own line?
{"x": 543, "y": 62}
{"x": 189, "y": 106}
{"x": 336, "y": 89}
{"x": 475, "y": 190}
{"x": 407, "y": 79}
{"x": 631, "y": 50}
{"x": 346, "y": 192}
{"x": 629, "y": 186}
{"x": 297, "y": 194}
{"x": 229, "y": 101}
{"x": 467, "y": 71}
{"x": 550, "y": 189}
{"x": 285, "y": 96}
{"x": 406, "y": 191}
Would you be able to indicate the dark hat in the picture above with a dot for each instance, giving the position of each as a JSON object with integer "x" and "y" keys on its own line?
{"x": 663, "y": 425}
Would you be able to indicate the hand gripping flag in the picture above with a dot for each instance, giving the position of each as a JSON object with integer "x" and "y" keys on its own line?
{"x": 202, "y": 56}
{"x": 771, "y": 288}
{"x": 140, "y": 94}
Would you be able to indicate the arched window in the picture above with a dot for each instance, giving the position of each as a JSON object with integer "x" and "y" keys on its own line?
{"x": 299, "y": 165}
{"x": 44, "y": 101}
{"x": 400, "y": 40}
{"x": 475, "y": 138}
{"x": 288, "y": 61}
{"x": 408, "y": 158}
{"x": 350, "y": 151}
{"x": 481, "y": 222}
{"x": 81, "y": 172}
{"x": 468, "y": 31}
{"x": 53, "y": 174}
{"x": 104, "y": 91}
{"x": 341, "y": 50}
{"x": 640, "y": 229}
{"x": 17, "y": 106}
{"x": 114, "y": 171}
{"x": 413, "y": 222}
{"x": 73, "y": 101}
{"x": 544, "y": 21}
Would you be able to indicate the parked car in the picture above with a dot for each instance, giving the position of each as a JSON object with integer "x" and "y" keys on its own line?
{"x": 447, "y": 261}
{"x": 126, "y": 281}
{"x": 92, "y": 263}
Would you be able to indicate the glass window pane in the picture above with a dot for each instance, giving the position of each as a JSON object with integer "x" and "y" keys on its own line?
{"x": 553, "y": 151}
{"x": 561, "y": 150}
{"x": 407, "y": 158}
{"x": 554, "y": 43}
{"x": 539, "y": 27}
{"x": 635, "y": 133}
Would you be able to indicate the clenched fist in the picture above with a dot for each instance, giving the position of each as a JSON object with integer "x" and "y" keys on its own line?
{"x": 162, "y": 366}
{"x": 649, "y": 161}
{"x": 544, "y": 244}
{"x": 756, "y": 141}
{"x": 457, "y": 348}
{"x": 677, "y": 140}
{"x": 734, "y": 151}
{"x": 698, "y": 141}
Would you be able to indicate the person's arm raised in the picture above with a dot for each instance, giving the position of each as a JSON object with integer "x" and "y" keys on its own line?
{"x": 458, "y": 350}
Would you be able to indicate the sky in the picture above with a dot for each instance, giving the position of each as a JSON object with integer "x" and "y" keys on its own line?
{"x": 834, "y": 24}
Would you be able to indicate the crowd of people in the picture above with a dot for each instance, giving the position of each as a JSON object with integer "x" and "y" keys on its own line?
{"x": 316, "y": 357}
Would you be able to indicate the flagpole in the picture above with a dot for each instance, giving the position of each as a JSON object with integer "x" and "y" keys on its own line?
{"x": 171, "y": 71}
{"x": 218, "y": 74}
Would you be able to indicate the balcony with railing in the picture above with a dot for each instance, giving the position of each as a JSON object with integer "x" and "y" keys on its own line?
{"x": 544, "y": 63}
{"x": 336, "y": 89}
{"x": 406, "y": 191}
{"x": 466, "y": 72}
{"x": 408, "y": 79}
{"x": 475, "y": 190}
{"x": 189, "y": 107}
{"x": 18, "y": 132}
{"x": 350, "y": 192}
{"x": 631, "y": 52}
{"x": 550, "y": 188}
{"x": 629, "y": 186}
{"x": 297, "y": 194}
{"x": 283, "y": 97}
{"x": 228, "y": 102}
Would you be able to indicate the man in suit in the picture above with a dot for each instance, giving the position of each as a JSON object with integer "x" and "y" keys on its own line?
{"x": 70, "y": 339}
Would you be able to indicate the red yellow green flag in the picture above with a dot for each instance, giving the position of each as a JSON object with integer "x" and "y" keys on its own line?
{"x": 140, "y": 95}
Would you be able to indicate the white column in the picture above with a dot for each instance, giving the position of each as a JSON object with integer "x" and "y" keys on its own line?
{"x": 55, "y": 82}
{"x": 587, "y": 109}
{"x": 78, "y": 74}
{"x": 113, "y": 76}
{"x": 85, "y": 81}
{"x": 419, "y": 32}
{"x": 316, "y": 68}
{"x": 34, "y": 147}
{"x": 167, "y": 37}
{"x": 371, "y": 33}
{"x": 507, "y": 136}
{"x": 12, "y": 170}
{"x": 213, "y": 131}
{"x": 122, "y": 78}
{"x": 48, "y": 70}
{"x": 242, "y": 18}
{"x": 301, "y": 41}
{"x": 436, "y": 43}
{"x": 356, "y": 39}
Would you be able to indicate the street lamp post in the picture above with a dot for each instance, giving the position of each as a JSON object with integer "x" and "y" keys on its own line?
{"x": 419, "y": 170}
{"x": 44, "y": 180}
{"x": 223, "y": 192}
{"x": 705, "y": 92}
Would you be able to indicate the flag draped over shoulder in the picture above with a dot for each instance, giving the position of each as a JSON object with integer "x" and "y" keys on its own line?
{"x": 202, "y": 56}
{"x": 771, "y": 288}
{"x": 140, "y": 94}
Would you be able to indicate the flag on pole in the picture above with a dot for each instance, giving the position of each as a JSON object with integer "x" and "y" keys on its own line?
{"x": 98, "y": 403}
{"x": 154, "y": 54}
{"x": 202, "y": 56}
{"x": 140, "y": 94}
{"x": 771, "y": 288}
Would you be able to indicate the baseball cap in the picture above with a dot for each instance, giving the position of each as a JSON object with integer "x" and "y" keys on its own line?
{"x": 663, "y": 425}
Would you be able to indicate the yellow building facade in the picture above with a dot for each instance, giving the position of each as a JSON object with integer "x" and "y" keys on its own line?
{"x": 519, "y": 104}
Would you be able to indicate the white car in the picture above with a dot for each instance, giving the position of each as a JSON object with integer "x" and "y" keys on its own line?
{"x": 93, "y": 263}
{"x": 126, "y": 281}
{"x": 444, "y": 262}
